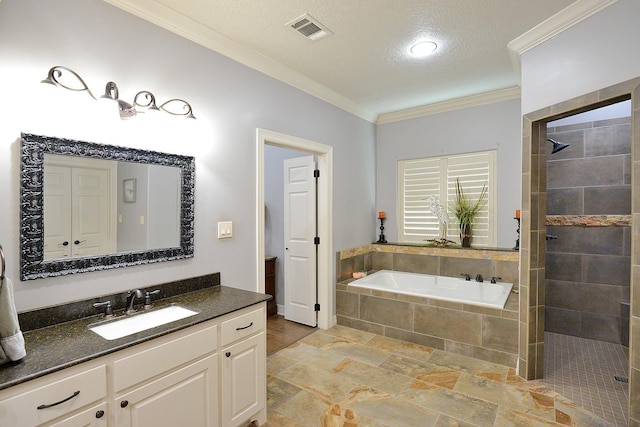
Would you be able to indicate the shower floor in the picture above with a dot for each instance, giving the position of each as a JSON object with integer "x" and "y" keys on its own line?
{"x": 584, "y": 371}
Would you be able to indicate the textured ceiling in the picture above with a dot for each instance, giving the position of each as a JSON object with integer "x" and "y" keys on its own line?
{"x": 366, "y": 60}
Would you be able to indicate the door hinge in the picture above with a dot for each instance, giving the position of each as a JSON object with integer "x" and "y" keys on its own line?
{"x": 316, "y": 307}
{"x": 316, "y": 240}
{"x": 316, "y": 173}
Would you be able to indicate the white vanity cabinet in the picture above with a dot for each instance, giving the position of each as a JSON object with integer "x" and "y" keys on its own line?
{"x": 57, "y": 396}
{"x": 183, "y": 379}
{"x": 243, "y": 367}
{"x": 173, "y": 383}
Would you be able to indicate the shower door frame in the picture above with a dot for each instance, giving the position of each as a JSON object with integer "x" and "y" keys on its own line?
{"x": 533, "y": 229}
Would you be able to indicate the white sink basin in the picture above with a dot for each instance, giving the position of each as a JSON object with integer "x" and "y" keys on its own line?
{"x": 141, "y": 321}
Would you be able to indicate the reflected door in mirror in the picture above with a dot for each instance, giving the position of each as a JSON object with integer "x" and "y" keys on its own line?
{"x": 78, "y": 218}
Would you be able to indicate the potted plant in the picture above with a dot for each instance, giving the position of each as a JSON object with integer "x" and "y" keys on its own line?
{"x": 465, "y": 210}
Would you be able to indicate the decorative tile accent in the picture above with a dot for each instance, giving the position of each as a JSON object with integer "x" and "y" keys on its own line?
{"x": 590, "y": 220}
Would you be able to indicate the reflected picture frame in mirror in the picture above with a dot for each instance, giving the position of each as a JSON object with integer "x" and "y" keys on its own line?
{"x": 32, "y": 262}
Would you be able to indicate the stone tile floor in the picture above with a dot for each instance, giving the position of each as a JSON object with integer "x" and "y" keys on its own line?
{"x": 347, "y": 377}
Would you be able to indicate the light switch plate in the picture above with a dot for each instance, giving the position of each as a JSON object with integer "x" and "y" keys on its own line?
{"x": 225, "y": 229}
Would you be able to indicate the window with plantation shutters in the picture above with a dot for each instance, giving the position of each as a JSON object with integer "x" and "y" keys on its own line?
{"x": 436, "y": 176}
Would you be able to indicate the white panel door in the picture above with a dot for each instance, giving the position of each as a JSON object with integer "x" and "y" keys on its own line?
{"x": 91, "y": 213}
{"x": 57, "y": 211}
{"x": 299, "y": 233}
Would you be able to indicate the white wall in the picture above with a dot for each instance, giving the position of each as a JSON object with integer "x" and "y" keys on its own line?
{"x": 103, "y": 43}
{"x": 486, "y": 127}
{"x": 598, "y": 52}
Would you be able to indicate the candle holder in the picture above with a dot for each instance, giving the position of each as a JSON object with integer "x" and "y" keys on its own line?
{"x": 382, "y": 239}
{"x": 517, "y": 246}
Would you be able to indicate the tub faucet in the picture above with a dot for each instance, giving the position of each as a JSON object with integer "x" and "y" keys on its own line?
{"x": 466, "y": 276}
{"x": 479, "y": 278}
{"x": 131, "y": 298}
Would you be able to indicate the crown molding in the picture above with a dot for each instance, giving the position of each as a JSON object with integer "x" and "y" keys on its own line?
{"x": 452, "y": 105}
{"x": 561, "y": 21}
{"x": 171, "y": 20}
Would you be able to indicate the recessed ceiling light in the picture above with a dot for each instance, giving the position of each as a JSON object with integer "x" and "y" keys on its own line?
{"x": 421, "y": 49}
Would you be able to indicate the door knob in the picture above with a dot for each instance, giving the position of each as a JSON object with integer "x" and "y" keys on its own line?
{"x": 77, "y": 242}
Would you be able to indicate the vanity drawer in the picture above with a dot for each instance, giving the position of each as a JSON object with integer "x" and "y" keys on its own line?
{"x": 62, "y": 396}
{"x": 146, "y": 364}
{"x": 242, "y": 326}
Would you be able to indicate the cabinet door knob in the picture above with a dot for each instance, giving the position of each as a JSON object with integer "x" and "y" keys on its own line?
{"x": 65, "y": 243}
{"x": 50, "y": 405}
{"x": 77, "y": 242}
{"x": 228, "y": 354}
{"x": 99, "y": 414}
{"x": 124, "y": 403}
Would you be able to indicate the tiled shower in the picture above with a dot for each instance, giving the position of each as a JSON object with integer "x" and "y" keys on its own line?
{"x": 588, "y": 265}
{"x": 588, "y": 247}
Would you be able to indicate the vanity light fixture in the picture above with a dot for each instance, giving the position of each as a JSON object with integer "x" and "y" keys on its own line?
{"x": 144, "y": 101}
{"x": 423, "y": 48}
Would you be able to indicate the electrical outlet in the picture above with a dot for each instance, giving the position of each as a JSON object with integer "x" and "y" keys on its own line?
{"x": 225, "y": 229}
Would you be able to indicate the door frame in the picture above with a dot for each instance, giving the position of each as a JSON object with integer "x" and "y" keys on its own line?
{"x": 326, "y": 318}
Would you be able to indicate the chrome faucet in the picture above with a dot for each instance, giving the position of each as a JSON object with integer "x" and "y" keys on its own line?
{"x": 131, "y": 298}
{"x": 479, "y": 278}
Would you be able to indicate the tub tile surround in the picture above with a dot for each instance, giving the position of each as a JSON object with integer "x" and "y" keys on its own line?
{"x": 533, "y": 225}
{"x": 483, "y": 333}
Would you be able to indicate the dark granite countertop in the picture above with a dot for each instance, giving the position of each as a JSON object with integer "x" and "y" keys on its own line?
{"x": 60, "y": 346}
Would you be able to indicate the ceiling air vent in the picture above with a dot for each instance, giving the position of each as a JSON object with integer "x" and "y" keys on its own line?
{"x": 309, "y": 27}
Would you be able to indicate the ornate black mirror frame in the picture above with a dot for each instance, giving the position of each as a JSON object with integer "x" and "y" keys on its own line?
{"x": 33, "y": 149}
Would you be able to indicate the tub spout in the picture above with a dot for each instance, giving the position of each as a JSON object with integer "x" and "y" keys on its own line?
{"x": 479, "y": 278}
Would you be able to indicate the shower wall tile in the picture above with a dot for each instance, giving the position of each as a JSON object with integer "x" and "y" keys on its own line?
{"x": 570, "y": 128}
{"x": 605, "y": 269}
{"x": 584, "y": 297}
{"x": 610, "y": 200}
{"x": 591, "y": 171}
{"x": 562, "y": 267}
{"x": 575, "y": 150}
{"x": 600, "y": 327}
{"x": 626, "y": 241}
{"x": 586, "y": 240}
{"x": 565, "y": 201}
{"x": 627, "y": 169}
{"x": 562, "y": 321}
{"x": 613, "y": 122}
{"x": 607, "y": 141}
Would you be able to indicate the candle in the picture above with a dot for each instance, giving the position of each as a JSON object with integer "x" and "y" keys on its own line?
{"x": 381, "y": 214}
{"x": 517, "y": 213}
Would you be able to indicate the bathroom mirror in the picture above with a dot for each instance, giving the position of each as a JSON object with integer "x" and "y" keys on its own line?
{"x": 89, "y": 207}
